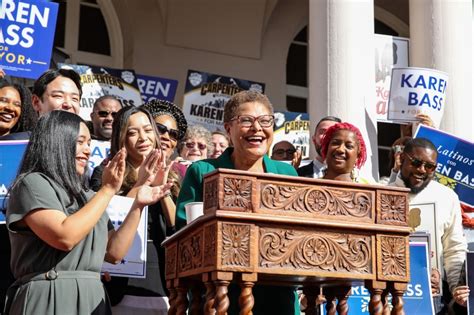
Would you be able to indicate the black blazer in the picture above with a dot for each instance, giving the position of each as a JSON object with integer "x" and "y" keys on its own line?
{"x": 306, "y": 171}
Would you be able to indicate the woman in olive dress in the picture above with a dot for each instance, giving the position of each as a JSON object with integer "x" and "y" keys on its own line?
{"x": 59, "y": 231}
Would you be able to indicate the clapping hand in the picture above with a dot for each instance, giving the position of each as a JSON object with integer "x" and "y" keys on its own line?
{"x": 112, "y": 177}
{"x": 148, "y": 195}
{"x": 149, "y": 168}
{"x": 154, "y": 170}
{"x": 163, "y": 170}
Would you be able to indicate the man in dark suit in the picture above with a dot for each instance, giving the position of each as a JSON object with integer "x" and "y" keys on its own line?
{"x": 316, "y": 168}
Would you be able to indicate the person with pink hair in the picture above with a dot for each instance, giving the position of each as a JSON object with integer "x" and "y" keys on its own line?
{"x": 344, "y": 151}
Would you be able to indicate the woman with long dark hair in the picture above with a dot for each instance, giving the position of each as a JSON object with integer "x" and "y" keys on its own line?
{"x": 59, "y": 230}
{"x": 135, "y": 129}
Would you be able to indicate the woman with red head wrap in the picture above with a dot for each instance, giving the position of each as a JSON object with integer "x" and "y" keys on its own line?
{"x": 344, "y": 150}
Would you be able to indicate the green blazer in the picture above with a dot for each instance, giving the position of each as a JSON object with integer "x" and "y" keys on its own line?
{"x": 191, "y": 188}
{"x": 268, "y": 299}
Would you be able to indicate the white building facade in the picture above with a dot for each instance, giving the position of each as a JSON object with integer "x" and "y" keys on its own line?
{"x": 313, "y": 55}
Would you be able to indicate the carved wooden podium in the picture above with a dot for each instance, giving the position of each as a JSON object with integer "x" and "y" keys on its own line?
{"x": 291, "y": 231}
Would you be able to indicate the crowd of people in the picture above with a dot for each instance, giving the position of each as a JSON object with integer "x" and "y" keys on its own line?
{"x": 60, "y": 233}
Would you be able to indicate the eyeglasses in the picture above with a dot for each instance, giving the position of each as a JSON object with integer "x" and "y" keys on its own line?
{"x": 429, "y": 167}
{"x": 281, "y": 152}
{"x": 265, "y": 121}
{"x": 201, "y": 146}
{"x": 105, "y": 113}
{"x": 162, "y": 129}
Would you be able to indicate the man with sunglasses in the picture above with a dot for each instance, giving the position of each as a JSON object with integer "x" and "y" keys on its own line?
{"x": 418, "y": 165}
{"x": 102, "y": 116}
{"x": 285, "y": 151}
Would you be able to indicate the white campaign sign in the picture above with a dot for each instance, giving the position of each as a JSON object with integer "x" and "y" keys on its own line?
{"x": 417, "y": 91}
{"x": 134, "y": 263}
{"x": 390, "y": 52}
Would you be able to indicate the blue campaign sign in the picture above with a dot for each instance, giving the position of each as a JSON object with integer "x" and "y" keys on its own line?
{"x": 152, "y": 88}
{"x": 11, "y": 154}
{"x": 417, "y": 298}
{"x": 26, "y": 36}
{"x": 455, "y": 162}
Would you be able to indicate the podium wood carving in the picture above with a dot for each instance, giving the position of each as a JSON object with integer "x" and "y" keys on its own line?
{"x": 291, "y": 231}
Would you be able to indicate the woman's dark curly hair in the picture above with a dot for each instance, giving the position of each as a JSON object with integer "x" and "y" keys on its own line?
{"x": 28, "y": 116}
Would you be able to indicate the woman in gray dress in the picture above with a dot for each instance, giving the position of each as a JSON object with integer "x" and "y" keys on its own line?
{"x": 58, "y": 229}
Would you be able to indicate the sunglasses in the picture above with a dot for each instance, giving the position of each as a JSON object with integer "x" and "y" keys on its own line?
{"x": 105, "y": 113}
{"x": 201, "y": 146}
{"x": 162, "y": 129}
{"x": 429, "y": 167}
{"x": 282, "y": 152}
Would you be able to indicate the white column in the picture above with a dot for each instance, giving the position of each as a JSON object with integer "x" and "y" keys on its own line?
{"x": 341, "y": 66}
{"x": 441, "y": 38}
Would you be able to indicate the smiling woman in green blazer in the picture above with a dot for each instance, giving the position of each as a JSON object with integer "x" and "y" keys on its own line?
{"x": 248, "y": 120}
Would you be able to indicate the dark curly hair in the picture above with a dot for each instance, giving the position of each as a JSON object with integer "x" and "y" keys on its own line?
{"x": 28, "y": 116}
{"x": 362, "y": 154}
{"x": 161, "y": 107}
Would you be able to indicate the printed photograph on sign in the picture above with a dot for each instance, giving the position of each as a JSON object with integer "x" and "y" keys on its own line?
{"x": 100, "y": 81}
{"x": 390, "y": 52}
{"x": 416, "y": 91}
{"x": 26, "y": 36}
{"x": 205, "y": 95}
{"x": 422, "y": 218}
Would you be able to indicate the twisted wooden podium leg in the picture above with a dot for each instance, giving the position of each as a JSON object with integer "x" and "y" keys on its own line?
{"x": 246, "y": 300}
{"x": 386, "y": 305}
{"x": 210, "y": 294}
{"x": 397, "y": 289}
{"x": 221, "y": 302}
{"x": 172, "y": 297}
{"x": 342, "y": 295}
{"x": 376, "y": 288}
{"x": 182, "y": 299}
